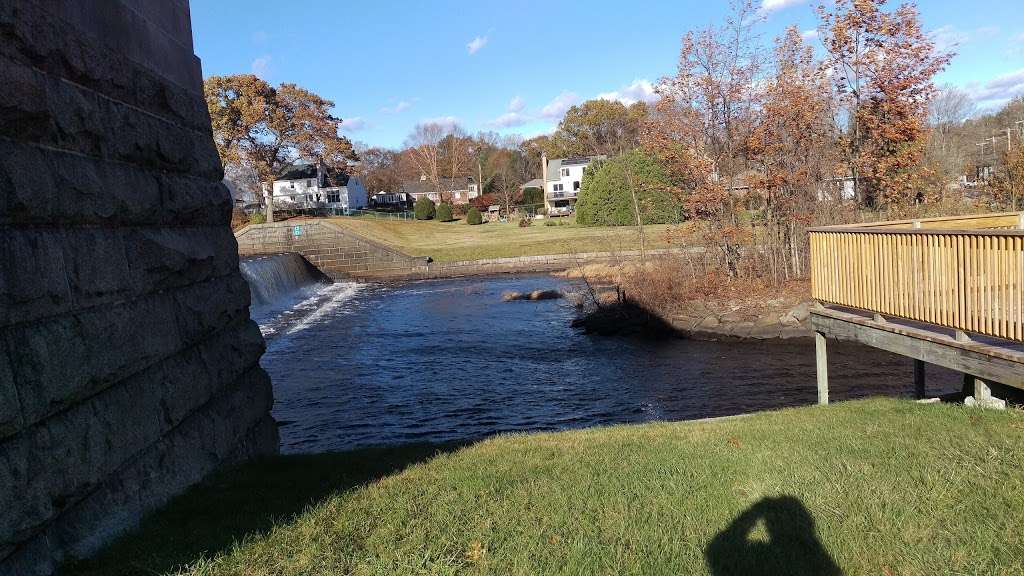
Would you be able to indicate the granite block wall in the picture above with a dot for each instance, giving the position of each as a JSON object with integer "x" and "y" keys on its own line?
{"x": 129, "y": 367}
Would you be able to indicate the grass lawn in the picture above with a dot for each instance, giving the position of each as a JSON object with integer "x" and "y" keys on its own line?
{"x": 868, "y": 487}
{"x": 455, "y": 241}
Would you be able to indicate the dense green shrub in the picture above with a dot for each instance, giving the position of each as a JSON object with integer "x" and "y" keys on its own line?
{"x": 605, "y": 199}
{"x": 424, "y": 208}
{"x": 258, "y": 218}
{"x": 444, "y": 212}
{"x": 532, "y": 196}
{"x": 473, "y": 217}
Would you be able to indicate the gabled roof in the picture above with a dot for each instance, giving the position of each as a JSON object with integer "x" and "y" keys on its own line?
{"x": 426, "y": 186}
{"x": 308, "y": 172}
{"x": 535, "y": 183}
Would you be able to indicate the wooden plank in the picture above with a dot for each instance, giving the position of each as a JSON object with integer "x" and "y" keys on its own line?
{"x": 985, "y": 361}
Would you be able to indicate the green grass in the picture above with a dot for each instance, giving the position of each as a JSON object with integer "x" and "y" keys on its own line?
{"x": 456, "y": 241}
{"x": 867, "y": 487}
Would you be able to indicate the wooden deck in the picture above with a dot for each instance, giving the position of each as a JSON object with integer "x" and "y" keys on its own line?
{"x": 944, "y": 291}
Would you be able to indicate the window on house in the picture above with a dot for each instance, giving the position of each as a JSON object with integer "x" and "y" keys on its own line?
{"x": 565, "y": 171}
{"x": 576, "y": 185}
{"x": 558, "y": 187}
{"x": 309, "y": 183}
{"x": 334, "y": 197}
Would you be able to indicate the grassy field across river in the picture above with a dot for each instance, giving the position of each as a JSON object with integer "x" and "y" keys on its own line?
{"x": 455, "y": 241}
{"x": 866, "y": 487}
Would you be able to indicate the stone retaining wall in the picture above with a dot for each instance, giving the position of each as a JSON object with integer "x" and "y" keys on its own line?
{"x": 342, "y": 254}
{"x": 128, "y": 362}
{"x": 336, "y": 251}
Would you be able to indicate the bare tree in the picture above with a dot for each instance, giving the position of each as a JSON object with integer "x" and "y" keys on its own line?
{"x": 424, "y": 146}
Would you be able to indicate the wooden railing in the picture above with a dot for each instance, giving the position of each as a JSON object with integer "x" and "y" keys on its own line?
{"x": 965, "y": 273}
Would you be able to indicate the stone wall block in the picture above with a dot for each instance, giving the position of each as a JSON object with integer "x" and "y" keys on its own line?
{"x": 95, "y": 348}
{"x": 36, "y": 275}
{"x": 10, "y": 405}
{"x": 79, "y": 442}
{"x": 166, "y": 258}
{"x": 96, "y": 264}
{"x": 31, "y": 34}
{"x": 48, "y": 111}
{"x": 42, "y": 186}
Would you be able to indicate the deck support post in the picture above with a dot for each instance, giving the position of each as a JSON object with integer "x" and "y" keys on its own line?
{"x": 919, "y": 379}
{"x": 982, "y": 393}
{"x": 821, "y": 355}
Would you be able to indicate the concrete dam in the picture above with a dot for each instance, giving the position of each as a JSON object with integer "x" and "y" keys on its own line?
{"x": 129, "y": 365}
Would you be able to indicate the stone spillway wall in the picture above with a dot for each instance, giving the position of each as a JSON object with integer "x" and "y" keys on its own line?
{"x": 128, "y": 362}
{"x": 336, "y": 251}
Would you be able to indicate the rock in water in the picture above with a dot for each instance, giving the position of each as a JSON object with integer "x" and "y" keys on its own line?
{"x": 534, "y": 296}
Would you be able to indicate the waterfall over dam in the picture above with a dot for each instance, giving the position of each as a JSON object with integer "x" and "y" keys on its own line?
{"x": 277, "y": 281}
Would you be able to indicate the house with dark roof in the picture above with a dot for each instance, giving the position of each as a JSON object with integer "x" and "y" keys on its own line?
{"x": 563, "y": 178}
{"x": 316, "y": 186}
{"x": 455, "y": 190}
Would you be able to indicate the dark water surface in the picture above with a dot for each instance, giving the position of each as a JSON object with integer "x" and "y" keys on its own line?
{"x": 360, "y": 365}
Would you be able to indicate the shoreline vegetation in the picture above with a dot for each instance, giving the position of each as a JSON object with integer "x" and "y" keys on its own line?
{"x": 848, "y": 488}
{"x": 667, "y": 296}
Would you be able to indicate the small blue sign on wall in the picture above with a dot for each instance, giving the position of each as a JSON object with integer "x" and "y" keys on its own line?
{"x": 297, "y": 231}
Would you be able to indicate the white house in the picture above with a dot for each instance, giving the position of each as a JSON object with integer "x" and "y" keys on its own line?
{"x": 454, "y": 190}
{"x": 313, "y": 186}
{"x": 562, "y": 180}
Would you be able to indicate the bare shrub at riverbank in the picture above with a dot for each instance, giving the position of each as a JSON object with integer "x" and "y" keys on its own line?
{"x": 679, "y": 295}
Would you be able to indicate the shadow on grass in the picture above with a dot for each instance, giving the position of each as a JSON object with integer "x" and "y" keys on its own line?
{"x": 244, "y": 501}
{"x": 774, "y": 536}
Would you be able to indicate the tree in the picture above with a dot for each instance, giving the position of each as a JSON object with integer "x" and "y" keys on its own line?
{"x": 606, "y": 196}
{"x": 882, "y": 67}
{"x": 793, "y": 148}
{"x": 444, "y": 212}
{"x": 380, "y": 169}
{"x": 440, "y": 152}
{"x": 264, "y": 129}
{"x": 473, "y": 217}
{"x": 424, "y": 208}
{"x": 600, "y": 127}
{"x": 700, "y": 128}
{"x": 949, "y": 146}
{"x": 1013, "y": 188}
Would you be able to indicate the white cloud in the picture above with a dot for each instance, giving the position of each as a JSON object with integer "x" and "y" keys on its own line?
{"x": 557, "y": 107}
{"x": 476, "y": 44}
{"x": 948, "y": 37}
{"x": 261, "y": 66}
{"x": 446, "y": 122}
{"x": 354, "y": 124}
{"x": 638, "y": 91}
{"x": 809, "y": 35}
{"x": 509, "y": 120}
{"x": 998, "y": 91}
{"x": 769, "y": 6}
{"x": 1016, "y": 45}
{"x": 514, "y": 117}
{"x": 402, "y": 106}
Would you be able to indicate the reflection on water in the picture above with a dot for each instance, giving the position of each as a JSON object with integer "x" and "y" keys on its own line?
{"x": 447, "y": 360}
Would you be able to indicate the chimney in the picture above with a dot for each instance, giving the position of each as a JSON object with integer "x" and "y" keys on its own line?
{"x": 544, "y": 179}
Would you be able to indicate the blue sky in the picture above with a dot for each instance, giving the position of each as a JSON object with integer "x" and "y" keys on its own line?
{"x": 514, "y": 67}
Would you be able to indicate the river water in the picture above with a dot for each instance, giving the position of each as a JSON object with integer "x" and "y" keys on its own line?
{"x": 358, "y": 365}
